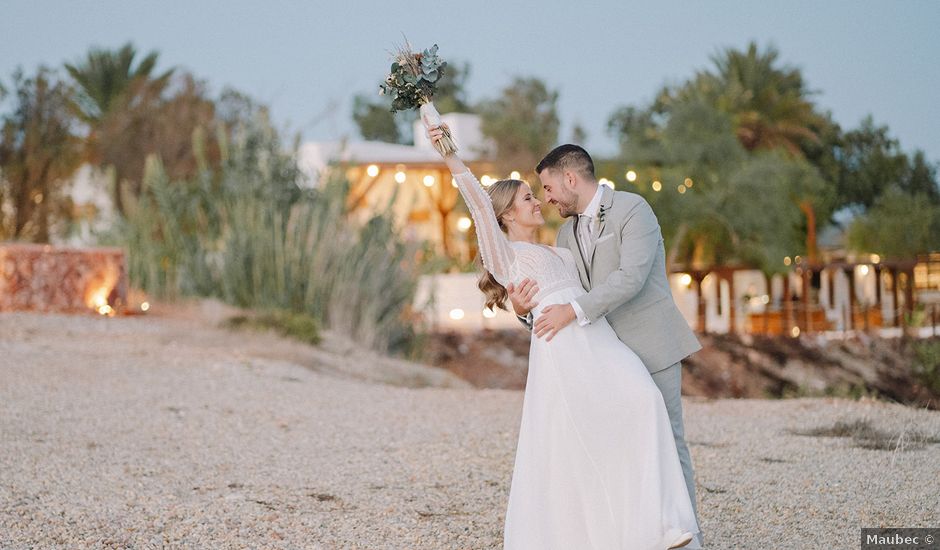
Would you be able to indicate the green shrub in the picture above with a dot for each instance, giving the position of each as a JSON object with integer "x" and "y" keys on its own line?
{"x": 926, "y": 364}
{"x": 251, "y": 235}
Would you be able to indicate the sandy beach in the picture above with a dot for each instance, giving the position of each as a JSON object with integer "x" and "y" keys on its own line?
{"x": 165, "y": 431}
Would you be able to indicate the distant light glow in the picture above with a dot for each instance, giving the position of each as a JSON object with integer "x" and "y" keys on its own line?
{"x": 515, "y": 175}
{"x": 607, "y": 182}
{"x": 488, "y": 313}
{"x": 657, "y": 186}
{"x": 400, "y": 177}
{"x": 145, "y": 306}
{"x": 863, "y": 269}
{"x": 687, "y": 182}
{"x": 456, "y": 314}
{"x": 795, "y": 331}
{"x": 631, "y": 176}
{"x": 681, "y": 189}
{"x": 685, "y": 279}
{"x": 429, "y": 181}
{"x": 372, "y": 170}
{"x": 486, "y": 180}
{"x": 787, "y": 261}
{"x": 464, "y": 223}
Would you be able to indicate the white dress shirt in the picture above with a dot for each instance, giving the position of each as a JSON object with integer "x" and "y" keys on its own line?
{"x": 586, "y": 237}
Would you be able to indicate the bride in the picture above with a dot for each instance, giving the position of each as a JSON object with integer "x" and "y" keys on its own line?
{"x": 582, "y": 479}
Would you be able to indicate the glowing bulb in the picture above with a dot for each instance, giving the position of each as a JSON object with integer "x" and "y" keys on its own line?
{"x": 657, "y": 186}
{"x": 787, "y": 261}
{"x": 456, "y": 314}
{"x": 688, "y": 182}
{"x": 145, "y": 306}
{"x": 515, "y": 175}
{"x": 429, "y": 181}
{"x": 372, "y": 170}
{"x": 631, "y": 176}
{"x": 681, "y": 189}
{"x": 488, "y": 313}
{"x": 875, "y": 258}
{"x": 486, "y": 180}
{"x": 400, "y": 177}
{"x": 463, "y": 224}
{"x": 863, "y": 269}
{"x": 685, "y": 279}
{"x": 795, "y": 331}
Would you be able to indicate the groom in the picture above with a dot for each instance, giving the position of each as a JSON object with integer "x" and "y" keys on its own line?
{"x": 618, "y": 246}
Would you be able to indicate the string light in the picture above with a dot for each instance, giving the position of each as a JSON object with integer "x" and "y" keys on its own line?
{"x": 631, "y": 176}
{"x": 429, "y": 181}
{"x": 657, "y": 186}
{"x": 400, "y": 177}
{"x": 515, "y": 175}
{"x": 372, "y": 170}
{"x": 463, "y": 224}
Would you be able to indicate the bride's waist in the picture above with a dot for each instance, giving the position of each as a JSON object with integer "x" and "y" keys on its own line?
{"x": 561, "y": 292}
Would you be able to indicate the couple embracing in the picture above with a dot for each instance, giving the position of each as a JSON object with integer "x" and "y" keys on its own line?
{"x": 601, "y": 461}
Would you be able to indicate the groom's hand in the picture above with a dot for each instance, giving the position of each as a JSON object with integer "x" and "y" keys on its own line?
{"x": 522, "y": 296}
{"x": 553, "y": 319}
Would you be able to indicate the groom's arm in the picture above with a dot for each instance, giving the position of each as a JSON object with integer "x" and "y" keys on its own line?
{"x": 640, "y": 238}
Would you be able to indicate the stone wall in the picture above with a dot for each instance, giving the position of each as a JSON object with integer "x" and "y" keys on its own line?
{"x": 48, "y": 278}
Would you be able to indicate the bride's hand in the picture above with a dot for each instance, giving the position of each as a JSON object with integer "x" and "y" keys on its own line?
{"x": 436, "y": 133}
{"x": 522, "y": 296}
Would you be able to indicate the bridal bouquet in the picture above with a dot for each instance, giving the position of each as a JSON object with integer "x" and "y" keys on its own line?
{"x": 412, "y": 83}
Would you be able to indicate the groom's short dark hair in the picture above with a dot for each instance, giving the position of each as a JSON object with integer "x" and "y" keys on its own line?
{"x": 568, "y": 157}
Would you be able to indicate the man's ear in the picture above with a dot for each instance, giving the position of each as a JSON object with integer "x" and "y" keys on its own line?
{"x": 570, "y": 179}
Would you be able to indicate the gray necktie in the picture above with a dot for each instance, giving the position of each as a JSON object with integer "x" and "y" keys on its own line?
{"x": 584, "y": 231}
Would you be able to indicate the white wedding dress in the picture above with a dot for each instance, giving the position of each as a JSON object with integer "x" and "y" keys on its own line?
{"x": 596, "y": 465}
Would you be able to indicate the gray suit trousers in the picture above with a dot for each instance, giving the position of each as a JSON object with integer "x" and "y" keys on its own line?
{"x": 669, "y": 382}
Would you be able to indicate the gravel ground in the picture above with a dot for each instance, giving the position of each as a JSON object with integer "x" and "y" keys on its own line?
{"x": 163, "y": 431}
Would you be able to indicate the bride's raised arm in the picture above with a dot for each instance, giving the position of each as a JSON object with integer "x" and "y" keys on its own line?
{"x": 495, "y": 249}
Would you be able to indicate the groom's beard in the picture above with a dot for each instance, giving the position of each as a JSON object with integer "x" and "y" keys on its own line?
{"x": 567, "y": 209}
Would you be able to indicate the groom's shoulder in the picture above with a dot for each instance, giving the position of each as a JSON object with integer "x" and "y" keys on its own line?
{"x": 629, "y": 199}
{"x": 633, "y": 206}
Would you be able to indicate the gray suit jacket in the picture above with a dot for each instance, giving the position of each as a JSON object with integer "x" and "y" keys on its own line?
{"x": 625, "y": 276}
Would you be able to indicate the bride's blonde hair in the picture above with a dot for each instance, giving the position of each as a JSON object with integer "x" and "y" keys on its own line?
{"x": 502, "y": 194}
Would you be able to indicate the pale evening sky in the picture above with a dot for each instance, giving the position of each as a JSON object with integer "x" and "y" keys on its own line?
{"x": 307, "y": 59}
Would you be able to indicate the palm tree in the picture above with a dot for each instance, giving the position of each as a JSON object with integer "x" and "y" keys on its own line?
{"x": 769, "y": 103}
{"x": 104, "y": 76}
{"x": 108, "y": 83}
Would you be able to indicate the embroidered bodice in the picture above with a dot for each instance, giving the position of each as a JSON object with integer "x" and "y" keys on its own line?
{"x": 553, "y": 268}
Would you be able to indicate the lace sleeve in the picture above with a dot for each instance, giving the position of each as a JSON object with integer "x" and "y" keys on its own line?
{"x": 495, "y": 249}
